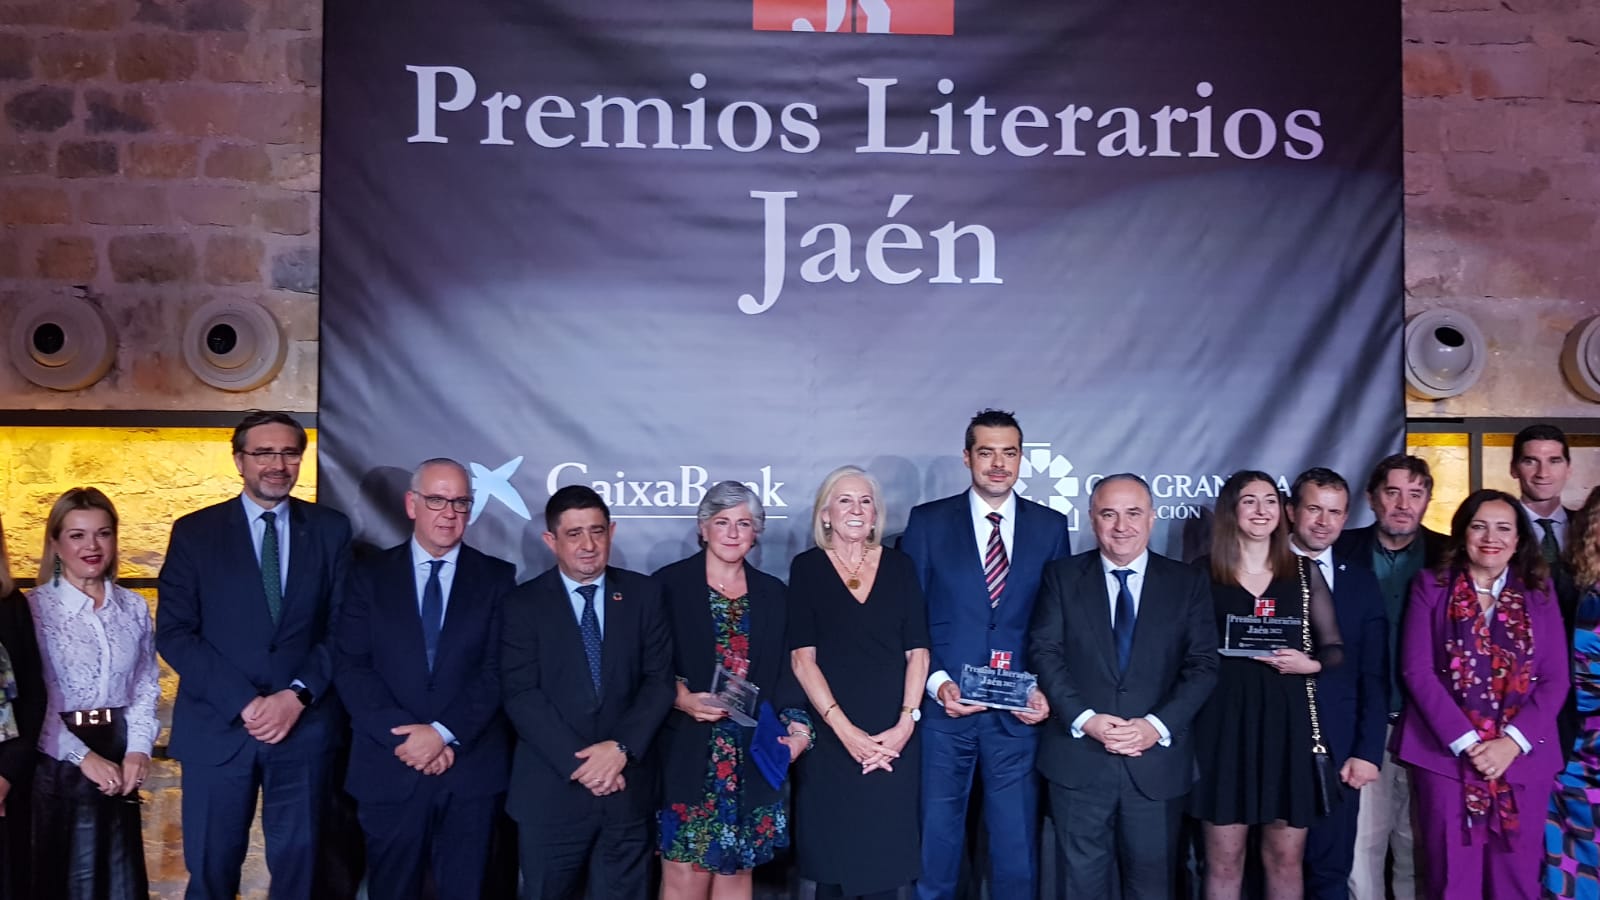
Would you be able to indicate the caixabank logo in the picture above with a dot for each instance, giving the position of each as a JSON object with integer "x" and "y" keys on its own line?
{"x": 857, "y": 16}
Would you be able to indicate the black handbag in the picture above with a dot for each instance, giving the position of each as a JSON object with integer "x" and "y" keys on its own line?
{"x": 1327, "y": 783}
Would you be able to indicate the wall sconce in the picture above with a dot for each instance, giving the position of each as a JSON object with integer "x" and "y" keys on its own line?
{"x": 234, "y": 345}
{"x": 63, "y": 343}
{"x": 1445, "y": 354}
{"x": 1580, "y": 359}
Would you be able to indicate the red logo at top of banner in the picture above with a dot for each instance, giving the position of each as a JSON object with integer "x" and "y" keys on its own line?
{"x": 999, "y": 659}
{"x": 1266, "y": 606}
{"x": 859, "y": 16}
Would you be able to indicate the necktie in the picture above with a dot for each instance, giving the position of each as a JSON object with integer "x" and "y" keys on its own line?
{"x": 432, "y": 610}
{"x": 589, "y": 624}
{"x": 271, "y": 573}
{"x": 1548, "y": 548}
{"x": 995, "y": 564}
{"x": 1122, "y": 628}
{"x": 1327, "y": 574}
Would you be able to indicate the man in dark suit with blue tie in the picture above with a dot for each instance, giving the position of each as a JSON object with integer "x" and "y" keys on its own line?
{"x": 1124, "y": 642}
{"x": 1352, "y": 699}
{"x": 978, "y": 557}
{"x": 586, "y": 671}
{"x": 418, "y": 669}
{"x": 246, "y": 604}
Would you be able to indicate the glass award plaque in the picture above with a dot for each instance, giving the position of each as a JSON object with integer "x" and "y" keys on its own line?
{"x": 996, "y": 688}
{"x": 1260, "y": 635}
{"x": 736, "y": 695}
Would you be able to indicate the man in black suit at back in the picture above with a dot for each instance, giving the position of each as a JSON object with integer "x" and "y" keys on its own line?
{"x": 586, "y": 670}
{"x": 1124, "y": 643}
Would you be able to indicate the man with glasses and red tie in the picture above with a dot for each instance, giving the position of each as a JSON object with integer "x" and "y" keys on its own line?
{"x": 244, "y": 615}
{"x": 418, "y": 669}
{"x": 979, "y": 555}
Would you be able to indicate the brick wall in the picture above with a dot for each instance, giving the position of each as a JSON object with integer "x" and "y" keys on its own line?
{"x": 1502, "y": 162}
{"x": 162, "y": 153}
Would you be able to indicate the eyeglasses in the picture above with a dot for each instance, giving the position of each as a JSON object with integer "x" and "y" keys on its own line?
{"x": 266, "y": 456}
{"x": 436, "y": 503}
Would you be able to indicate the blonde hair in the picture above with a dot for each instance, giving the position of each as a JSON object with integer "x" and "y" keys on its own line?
{"x": 7, "y": 583}
{"x": 824, "y": 537}
{"x": 74, "y": 500}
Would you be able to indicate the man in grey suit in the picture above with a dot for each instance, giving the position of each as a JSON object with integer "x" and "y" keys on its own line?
{"x": 1124, "y": 642}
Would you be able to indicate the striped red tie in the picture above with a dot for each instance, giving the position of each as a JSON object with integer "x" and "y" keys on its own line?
{"x": 995, "y": 565}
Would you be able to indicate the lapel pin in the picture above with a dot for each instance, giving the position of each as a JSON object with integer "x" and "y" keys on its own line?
{"x": 616, "y": 597}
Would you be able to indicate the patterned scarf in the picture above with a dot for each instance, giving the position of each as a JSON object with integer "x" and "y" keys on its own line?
{"x": 8, "y": 693}
{"x": 1490, "y": 681}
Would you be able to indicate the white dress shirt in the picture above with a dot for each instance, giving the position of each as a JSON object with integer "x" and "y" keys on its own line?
{"x": 1324, "y": 560}
{"x": 447, "y": 577}
{"x": 95, "y": 658}
{"x": 1136, "y": 589}
{"x": 1558, "y": 524}
{"x": 981, "y": 529}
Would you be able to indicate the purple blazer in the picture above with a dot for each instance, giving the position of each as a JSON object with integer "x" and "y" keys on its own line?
{"x": 1432, "y": 719}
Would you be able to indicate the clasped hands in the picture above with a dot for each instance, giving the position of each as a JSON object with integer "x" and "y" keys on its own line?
{"x": 949, "y": 696}
{"x": 875, "y": 751}
{"x": 601, "y": 771}
{"x": 424, "y": 749}
{"x": 1124, "y": 737}
{"x": 269, "y": 719}
{"x": 1492, "y": 758}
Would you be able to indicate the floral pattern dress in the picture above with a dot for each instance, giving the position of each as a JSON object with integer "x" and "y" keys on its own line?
{"x": 719, "y": 834}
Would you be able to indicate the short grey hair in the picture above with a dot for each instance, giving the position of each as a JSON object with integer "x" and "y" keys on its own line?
{"x": 725, "y": 495}
{"x": 416, "y": 474}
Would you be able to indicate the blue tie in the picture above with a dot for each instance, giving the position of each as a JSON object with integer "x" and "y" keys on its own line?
{"x": 271, "y": 574}
{"x": 432, "y": 610}
{"x": 1122, "y": 628}
{"x": 589, "y": 624}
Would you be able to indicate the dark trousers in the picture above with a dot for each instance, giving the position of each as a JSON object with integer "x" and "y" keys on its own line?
{"x": 1010, "y": 806}
{"x": 87, "y": 846}
{"x": 1331, "y": 849}
{"x": 1109, "y": 830}
{"x": 432, "y": 833}
{"x": 219, "y": 803}
{"x": 612, "y": 857}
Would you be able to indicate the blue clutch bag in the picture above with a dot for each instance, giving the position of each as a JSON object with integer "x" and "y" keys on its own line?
{"x": 771, "y": 757}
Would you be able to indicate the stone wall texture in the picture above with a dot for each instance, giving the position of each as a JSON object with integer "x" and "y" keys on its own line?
{"x": 163, "y": 153}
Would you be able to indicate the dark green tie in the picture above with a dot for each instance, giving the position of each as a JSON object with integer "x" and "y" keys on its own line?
{"x": 1548, "y": 548}
{"x": 271, "y": 574}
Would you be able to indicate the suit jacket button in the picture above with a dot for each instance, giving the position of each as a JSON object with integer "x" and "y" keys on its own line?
{"x": 1122, "y": 690}
{"x": 991, "y": 626}
{"x": 272, "y": 648}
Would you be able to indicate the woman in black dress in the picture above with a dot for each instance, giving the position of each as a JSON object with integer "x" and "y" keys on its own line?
{"x": 21, "y": 713}
{"x": 1253, "y": 738}
{"x": 859, "y": 630}
{"x": 720, "y": 816}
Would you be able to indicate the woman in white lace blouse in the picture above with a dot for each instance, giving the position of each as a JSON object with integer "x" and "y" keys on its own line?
{"x": 100, "y": 722}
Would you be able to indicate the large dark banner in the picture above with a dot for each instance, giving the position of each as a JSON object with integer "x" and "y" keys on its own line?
{"x": 650, "y": 246}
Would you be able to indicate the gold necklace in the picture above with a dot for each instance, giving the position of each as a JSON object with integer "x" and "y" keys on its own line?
{"x": 852, "y": 581}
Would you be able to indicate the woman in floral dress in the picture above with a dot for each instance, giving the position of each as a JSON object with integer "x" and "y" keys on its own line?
{"x": 721, "y": 817}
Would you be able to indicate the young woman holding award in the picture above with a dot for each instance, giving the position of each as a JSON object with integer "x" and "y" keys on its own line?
{"x": 1258, "y": 739}
{"x": 723, "y": 808}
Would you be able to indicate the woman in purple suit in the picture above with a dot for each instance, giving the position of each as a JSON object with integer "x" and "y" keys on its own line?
{"x": 1484, "y": 659}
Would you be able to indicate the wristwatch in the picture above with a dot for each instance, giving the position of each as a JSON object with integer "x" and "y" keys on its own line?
{"x": 913, "y": 711}
{"x": 625, "y": 754}
{"x": 305, "y": 696}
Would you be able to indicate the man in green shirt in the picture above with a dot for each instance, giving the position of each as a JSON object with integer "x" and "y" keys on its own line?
{"x": 1397, "y": 546}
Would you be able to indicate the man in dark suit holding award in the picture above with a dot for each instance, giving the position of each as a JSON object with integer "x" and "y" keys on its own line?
{"x": 1124, "y": 642}
{"x": 978, "y": 557}
{"x": 245, "y": 614}
{"x": 418, "y": 669}
{"x": 1353, "y": 698}
{"x": 586, "y": 670}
